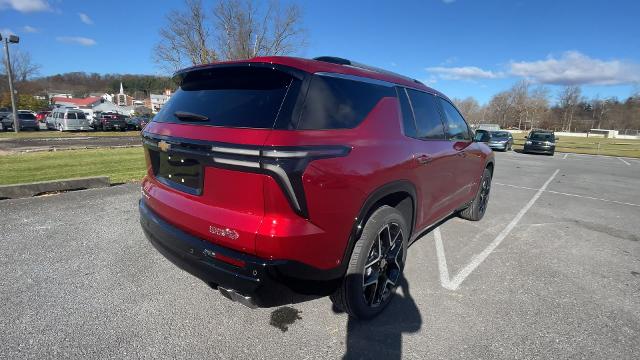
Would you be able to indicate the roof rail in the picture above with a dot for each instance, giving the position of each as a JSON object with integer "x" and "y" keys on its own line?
{"x": 343, "y": 61}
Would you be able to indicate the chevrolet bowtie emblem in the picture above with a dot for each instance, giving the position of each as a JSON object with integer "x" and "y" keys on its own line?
{"x": 164, "y": 146}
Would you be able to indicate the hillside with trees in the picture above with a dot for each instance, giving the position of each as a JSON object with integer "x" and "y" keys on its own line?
{"x": 526, "y": 106}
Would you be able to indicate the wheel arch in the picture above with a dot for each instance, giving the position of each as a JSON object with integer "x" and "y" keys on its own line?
{"x": 400, "y": 194}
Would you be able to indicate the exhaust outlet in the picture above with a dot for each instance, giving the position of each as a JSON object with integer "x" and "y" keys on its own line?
{"x": 234, "y": 296}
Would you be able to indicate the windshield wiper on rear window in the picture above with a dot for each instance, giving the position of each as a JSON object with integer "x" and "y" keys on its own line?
{"x": 187, "y": 116}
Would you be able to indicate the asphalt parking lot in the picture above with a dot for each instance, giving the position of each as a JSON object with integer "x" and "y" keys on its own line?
{"x": 13, "y": 145}
{"x": 552, "y": 271}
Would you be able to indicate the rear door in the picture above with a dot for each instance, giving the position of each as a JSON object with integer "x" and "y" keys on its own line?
{"x": 72, "y": 119}
{"x": 433, "y": 155}
{"x": 468, "y": 158}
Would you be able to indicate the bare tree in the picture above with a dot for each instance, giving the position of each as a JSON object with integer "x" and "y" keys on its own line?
{"x": 237, "y": 29}
{"x": 186, "y": 40}
{"x": 568, "y": 99}
{"x": 499, "y": 107}
{"x": 470, "y": 109}
{"x": 23, "y": 70}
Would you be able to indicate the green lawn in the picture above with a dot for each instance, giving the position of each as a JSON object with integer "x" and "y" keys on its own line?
{"x": 50, "y": 134}
{"x": 591, "y": 145}
{"x": 121, "y": 165}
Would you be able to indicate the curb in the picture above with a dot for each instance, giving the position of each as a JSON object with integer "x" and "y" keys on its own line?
{"x": 31, "y": 189}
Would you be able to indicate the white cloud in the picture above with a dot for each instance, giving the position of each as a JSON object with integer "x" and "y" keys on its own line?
{"x": 575, "y": 68}
{"x": 85, "y": 18}
{"x": 29, "y": 29}
{"x": 76, "y": 40}
{"x": 463, "y": 73}
{"x": 25, "y": 5}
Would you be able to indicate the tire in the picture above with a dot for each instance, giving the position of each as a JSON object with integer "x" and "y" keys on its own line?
{"x": 366, "y": 301}
{"x": 478, "y": 206}
{"x": 60, "y": 128}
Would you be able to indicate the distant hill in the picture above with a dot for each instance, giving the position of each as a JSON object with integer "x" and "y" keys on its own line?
{"x": 81, "y": 84}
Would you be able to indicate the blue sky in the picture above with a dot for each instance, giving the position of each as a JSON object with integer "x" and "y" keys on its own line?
{"x": 461, "y": 47}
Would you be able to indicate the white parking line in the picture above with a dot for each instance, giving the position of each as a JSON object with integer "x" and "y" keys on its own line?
{"x": 624, "y": 161}
{"x": 568, "y": 194}
{"x": 565, "y": 156}
{"x": 453, "y": 284}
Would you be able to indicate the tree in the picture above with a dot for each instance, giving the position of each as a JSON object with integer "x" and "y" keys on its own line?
{"x": 237, "y": 29}
{"x": 22, "y": 66}
{"x": 499, "y": 108}
{"x": 568, "y": 99}
{"x": 470, "y": 109}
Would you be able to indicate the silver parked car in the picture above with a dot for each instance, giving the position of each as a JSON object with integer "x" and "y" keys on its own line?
{"x": 65, "y": 119}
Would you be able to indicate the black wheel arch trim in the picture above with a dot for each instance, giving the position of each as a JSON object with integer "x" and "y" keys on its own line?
{"x": 398, "y": 186}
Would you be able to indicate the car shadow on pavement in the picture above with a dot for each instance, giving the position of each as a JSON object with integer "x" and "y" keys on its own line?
{"x": 381, "y": 337}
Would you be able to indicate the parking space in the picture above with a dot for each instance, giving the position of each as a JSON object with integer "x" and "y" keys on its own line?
{"x": 552, "y": 271}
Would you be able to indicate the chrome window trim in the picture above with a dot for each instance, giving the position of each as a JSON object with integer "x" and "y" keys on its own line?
{"x": 357, "y": 78}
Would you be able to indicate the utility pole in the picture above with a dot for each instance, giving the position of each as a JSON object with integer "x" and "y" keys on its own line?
{"x": 14, "y": 40}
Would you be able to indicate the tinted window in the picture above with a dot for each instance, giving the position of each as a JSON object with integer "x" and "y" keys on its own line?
{"x": 457, "y": 128}
{"x": 81, "y": 116}
{"x": 408, "y": 123}
{"x": 234, "y": 97}
{"x": 427, "y": 115}
{"x": 542, "y": 137}
{"x": 337, "y": 103}
{"x": 26, "y": 116}
{"x": 500, "y": 134}
{"x": 71, "y": 115}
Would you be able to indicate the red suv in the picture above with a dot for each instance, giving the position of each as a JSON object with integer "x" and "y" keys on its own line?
{"x": 276, "y": 179}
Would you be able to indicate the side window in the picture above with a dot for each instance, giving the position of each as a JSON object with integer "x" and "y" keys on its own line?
{"x": 408, "y": 123}
{"x": 338, "y": 103}
{"x": 457, "y": 128}
{"x": 428, "y": 120}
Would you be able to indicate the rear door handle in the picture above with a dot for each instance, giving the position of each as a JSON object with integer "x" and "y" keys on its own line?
{"x": 462, "y": 154}
{"x": 423, "y": 159}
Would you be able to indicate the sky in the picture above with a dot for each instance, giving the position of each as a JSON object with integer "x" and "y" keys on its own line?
{"x": 460, "y": 47}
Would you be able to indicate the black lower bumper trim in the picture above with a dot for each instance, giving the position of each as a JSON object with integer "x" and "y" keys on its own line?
{"x": 263, "y": 281}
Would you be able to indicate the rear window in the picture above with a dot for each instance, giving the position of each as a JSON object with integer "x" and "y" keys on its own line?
{"x": 71, "y": 115}
{"x": 26, "y": 116}
{"x": 500, "y": 134}
{"x": 81, "y": 116}
{"x": 246, "y": 97}
{"x": 337, "y": 103}
{"x": 542, "y": 137}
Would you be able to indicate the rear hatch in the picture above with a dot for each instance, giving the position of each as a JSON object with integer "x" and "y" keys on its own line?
{"x": 76, "y": 118}
{"x": 202, "y": 149}
{"x": 27, "y": 120}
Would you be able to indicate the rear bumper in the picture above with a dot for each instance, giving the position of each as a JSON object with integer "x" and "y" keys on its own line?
{"x": 499, "y": 146}
{"x": 76, "y": 127}
{"x": 255, "y": 283}
{"x": 542, "y": 149}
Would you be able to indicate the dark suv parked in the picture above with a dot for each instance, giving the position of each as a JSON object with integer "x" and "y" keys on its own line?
{"x": 277, "y": 178}
{"x": 540, "y": 141}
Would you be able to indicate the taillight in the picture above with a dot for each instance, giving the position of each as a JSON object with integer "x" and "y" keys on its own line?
{"x": 284, "y": 164}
